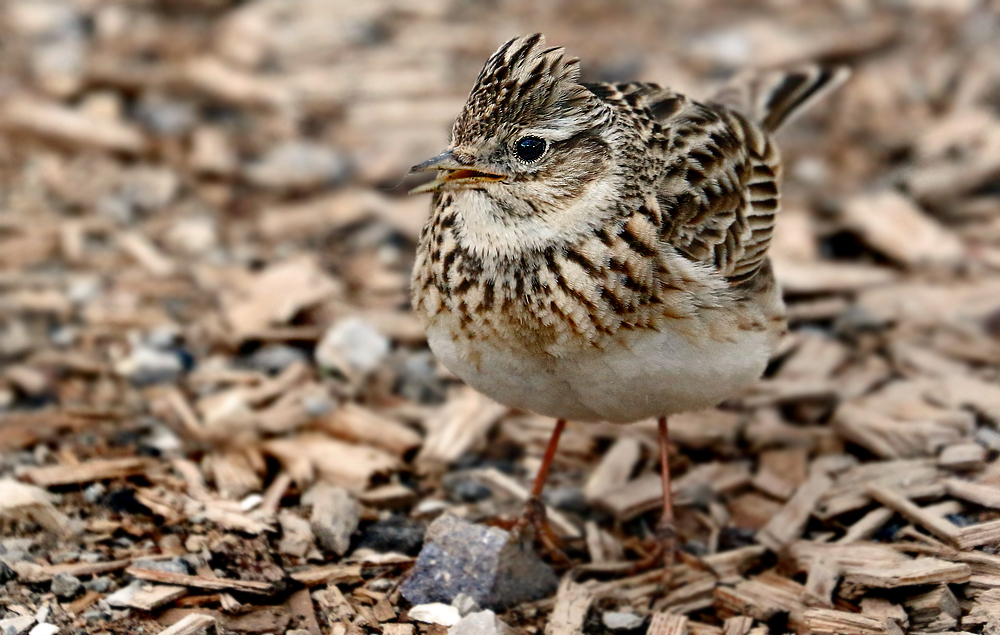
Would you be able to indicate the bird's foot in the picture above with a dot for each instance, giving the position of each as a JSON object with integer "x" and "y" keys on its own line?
{"x": 533, "y": 524}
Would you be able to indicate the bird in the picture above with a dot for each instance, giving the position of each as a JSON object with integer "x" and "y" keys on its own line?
{"x": 598, "y": 251}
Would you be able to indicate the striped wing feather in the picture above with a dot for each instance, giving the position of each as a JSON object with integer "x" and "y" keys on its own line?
{"x": 719, "y": 190}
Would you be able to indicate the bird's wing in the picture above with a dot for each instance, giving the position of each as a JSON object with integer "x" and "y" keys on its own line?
{"x": 718, "y": 189}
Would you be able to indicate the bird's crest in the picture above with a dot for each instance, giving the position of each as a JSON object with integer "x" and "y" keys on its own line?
{"x": 523, "y": 81}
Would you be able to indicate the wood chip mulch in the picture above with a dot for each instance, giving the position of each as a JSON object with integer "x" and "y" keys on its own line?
{"x": 216, "y": 411}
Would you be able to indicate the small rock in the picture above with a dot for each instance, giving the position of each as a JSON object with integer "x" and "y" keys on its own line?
{"x": 94, "y": 493}
{"x": 353, "y": 343}
{"x": 621, "y": 621}
{"x": 462, "y": 489}
{"x": 298, "y": 165}
{"x": 435, "y": 613}
{"x": 569, "y": 499}
{"x": 16, "y": 625}
{"x": 165, "y": 116}
{"x": 44, "y": 629}
{"x": 66, "y": 586}
{"x": 146, "y": 365}
{"x": 335, "y": 516}
{"x": 396, "y": 533}
{"x": 481, "y": 562}
{"x": 193, "y": 236}
{"x": 480, "y": 623}
{"x": 148, "y": 189}
{"x": 858, "y": 319}
{"x": 211, "y": 152}
{"x": 296, "y": 535}
{"x": 465, "y": 605}
{"x": 173, "y": 565}
{"x": 6, "y": 573}
{"x": 102, "y": 584}
{"x": 95, "y": 615}
{"x": 275, "y": 358}
{"x": 417, "y": 379}
{"x": 988, "y": 438}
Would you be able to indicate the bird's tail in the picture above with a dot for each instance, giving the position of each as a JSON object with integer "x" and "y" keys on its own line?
{"x": 775, "y": 97}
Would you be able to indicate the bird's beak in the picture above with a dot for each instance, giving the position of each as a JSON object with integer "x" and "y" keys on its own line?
{"x": 451, "y": 172}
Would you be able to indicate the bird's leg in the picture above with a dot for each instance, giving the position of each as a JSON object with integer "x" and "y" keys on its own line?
{"x": 534, "y": 508}
{"x": 666, "y": 531}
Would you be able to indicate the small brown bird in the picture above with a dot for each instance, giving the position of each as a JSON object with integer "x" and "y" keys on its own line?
{"x": 598, "y": 252}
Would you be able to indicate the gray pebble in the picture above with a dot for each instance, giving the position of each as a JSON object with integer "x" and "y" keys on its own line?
{"x": 621, "y": 621}
{"x": 173, "y": 565}
{"x": 66, "y": 586}
{"x": 102, "y": 584}
{"x": 480, "y": 562}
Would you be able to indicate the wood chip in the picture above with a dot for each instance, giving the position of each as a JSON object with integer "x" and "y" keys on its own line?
{"x": 88, "y": 472}
{"x": 572, "y": 605}
{"x": 615, "y": 468}
{"x": 762, "y": 598}
{"x": 901, "y": 574}
{"x": 788, "y": 524}
{"x": 830, "y": 622}
{"x": 936, "y": 525}
{"x": 190, "y": 625}
{"x": 329, "y": 574}
{"x": 460, "y": 424}
{"x": 933, "y": 610}
{"x": 18, "y": 500}
{"x": 668, "y": 624}
{"x": 199, "y": 582}
{"x": 897, "y": 228}
{"x": 962, "y": 456}
{"x": 356, "y": 424}
{"x": 737, "y": 625}
{"x": 977, "y": 535}
{"x": 145, "y": 597}
{"x": 71, "y": 126}
{"x": 985, "y": 495}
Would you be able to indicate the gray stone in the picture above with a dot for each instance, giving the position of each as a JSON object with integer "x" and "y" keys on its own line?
{"x": 173, "y": 565}
{"x": 165, "y": 116}
{"x": 465, "y": 605}
{"x": 6, "y": 573}
{"x": 95, "y": 493}
{"x": 299, "y": 165}
{"x": 95, "y": 615}
{"x": 621, "y": 621}
{"x": 296, "y": 534}
{"x": 335, "y": 516}
{"x": 102, "y": 584}
{"x": 481, "y": 623}
{"x": 352, "y": 343}
{"x": 146, "y": 365}
{"x": 481, "y": 562}
{"x": 66, "y": 586}
{"x": 275, "y": 358}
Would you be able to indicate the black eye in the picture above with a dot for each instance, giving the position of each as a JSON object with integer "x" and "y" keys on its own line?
{"x": 529, "y": 149}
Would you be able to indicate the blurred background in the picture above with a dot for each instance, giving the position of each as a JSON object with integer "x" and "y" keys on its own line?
{"x": 205, "y": 248}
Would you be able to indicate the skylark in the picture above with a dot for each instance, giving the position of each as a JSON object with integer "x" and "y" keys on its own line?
{"x": 598, "y": 252}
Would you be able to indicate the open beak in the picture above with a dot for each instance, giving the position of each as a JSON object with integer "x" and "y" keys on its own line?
{"x": 453, "y": 172}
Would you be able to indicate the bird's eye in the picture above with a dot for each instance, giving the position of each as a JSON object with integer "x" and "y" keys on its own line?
{"x": 529, "y": 149}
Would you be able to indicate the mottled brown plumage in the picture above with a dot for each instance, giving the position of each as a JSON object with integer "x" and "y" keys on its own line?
{"x": 599, "y": 251}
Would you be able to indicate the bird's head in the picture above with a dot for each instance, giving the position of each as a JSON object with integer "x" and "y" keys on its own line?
{"x": 531, "y": 138}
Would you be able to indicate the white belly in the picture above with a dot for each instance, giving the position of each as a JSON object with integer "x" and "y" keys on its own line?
{"x": 657, "y": 373}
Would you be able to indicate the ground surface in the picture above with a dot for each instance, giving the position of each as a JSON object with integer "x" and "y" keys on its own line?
{"x": 204, "y": 261}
